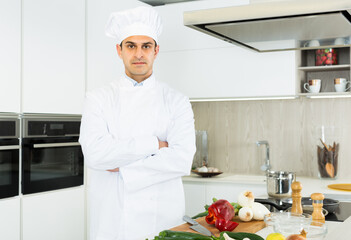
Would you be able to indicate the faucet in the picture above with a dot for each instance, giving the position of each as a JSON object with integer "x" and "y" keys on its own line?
{"x": 267, "y": 165}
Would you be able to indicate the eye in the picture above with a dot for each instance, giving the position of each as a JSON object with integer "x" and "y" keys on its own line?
{"x": 130, "y": 46}
{"x": 146, "y": 46}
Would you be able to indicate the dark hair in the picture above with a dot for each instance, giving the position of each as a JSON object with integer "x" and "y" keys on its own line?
{"x": 122, "y": 42}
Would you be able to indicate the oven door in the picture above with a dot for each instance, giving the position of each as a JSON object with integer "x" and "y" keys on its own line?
{"x": 9, "y": 167}
{"x": 51, "y": 163}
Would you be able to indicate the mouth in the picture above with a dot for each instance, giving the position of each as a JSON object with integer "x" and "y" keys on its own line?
{"x": 139, "y": 63}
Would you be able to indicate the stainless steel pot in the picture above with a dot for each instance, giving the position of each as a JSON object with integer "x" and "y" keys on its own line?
{"x": 279, "y": 183}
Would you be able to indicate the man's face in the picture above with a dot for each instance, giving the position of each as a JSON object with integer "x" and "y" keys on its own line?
{"x": 138, "y": 54}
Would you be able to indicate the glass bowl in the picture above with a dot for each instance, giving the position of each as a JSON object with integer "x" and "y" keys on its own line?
{"x": 316, "y": 231}
{"x": 288, "y": 223}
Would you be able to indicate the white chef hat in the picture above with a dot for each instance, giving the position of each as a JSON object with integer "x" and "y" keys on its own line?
{"x": 137, "y": 21}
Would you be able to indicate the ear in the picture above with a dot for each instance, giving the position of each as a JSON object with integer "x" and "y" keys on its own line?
{"x": 119, "y": 50}
{"x": 157, "y": 49}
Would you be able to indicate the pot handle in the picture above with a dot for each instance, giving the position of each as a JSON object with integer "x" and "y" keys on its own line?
{"x": 271, "y": 203}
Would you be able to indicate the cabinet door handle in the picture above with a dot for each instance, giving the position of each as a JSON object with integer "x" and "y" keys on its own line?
{"x": 47, "y": 145}
{"x": 9, "y": 147}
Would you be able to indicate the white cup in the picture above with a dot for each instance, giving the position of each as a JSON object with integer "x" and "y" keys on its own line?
{"x": 313, "y": 43}
{"x": 340, "y": 84}
{"x": 340, "y": 41}
{"x": 313, "y": 86}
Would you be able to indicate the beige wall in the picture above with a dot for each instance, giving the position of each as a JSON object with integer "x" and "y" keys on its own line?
{"x": 290, "y": 126}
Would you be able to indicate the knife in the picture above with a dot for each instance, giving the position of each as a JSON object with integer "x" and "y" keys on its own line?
{"x": 197, "y": 226}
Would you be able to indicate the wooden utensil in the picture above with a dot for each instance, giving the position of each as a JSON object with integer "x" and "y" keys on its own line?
{"x": 325, "y": 145}
{"x": 340, "y": 186}
{"x": 330, "y": 169}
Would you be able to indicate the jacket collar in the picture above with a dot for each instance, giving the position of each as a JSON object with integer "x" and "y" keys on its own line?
{"x": 126, "y": 82}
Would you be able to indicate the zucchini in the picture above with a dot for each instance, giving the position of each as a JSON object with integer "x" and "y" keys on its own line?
{"x": 166, "y": 234}
{"x": 241, "y": 236}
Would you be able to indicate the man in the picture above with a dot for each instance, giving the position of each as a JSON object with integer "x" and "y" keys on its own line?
{"x": 138, "y": 139}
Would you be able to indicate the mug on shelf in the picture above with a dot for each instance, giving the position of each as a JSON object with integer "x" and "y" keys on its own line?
{"x": 313, "y": 85}
{"x": 340, "y": 84}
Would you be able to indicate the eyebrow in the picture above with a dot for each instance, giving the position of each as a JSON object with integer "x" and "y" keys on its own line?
{"x": 145, "y": 43}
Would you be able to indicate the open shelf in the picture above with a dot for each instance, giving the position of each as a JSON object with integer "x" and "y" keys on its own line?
{"x": 325, "y": 68}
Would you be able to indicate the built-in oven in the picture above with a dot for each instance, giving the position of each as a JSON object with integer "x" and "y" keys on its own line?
{"x": 9, "y": 155}
{"x": 52, "y": 158}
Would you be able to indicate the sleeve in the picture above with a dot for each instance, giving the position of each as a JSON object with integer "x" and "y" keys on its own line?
{"x": 102, "y": 151}
{"x": 170, "y": 162}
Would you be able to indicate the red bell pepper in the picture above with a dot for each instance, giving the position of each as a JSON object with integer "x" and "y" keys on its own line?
{"x": 221, "y": 213}
{"x": 223, "y": 225}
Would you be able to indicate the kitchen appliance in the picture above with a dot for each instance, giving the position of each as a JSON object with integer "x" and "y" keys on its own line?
{"x": 279, "y": 183}
{"x": 278, "y": 25}
{"x": 9, "y": 155}
{"x": 341, "y": 212}
{"x": 51, "y": 154}
{"x": 328, "y": 204}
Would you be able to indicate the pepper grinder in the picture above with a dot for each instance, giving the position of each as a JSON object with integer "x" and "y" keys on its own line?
{"x": 296, "y": 188}
{"x": 317, "y": 203}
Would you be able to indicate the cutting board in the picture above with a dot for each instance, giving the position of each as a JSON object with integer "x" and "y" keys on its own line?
{"x": 340, "y": 186}
{"x": 250, "y": 227}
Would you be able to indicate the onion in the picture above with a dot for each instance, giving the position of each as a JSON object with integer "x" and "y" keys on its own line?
{"x": 259, "y": 211}
{"x": 301, "y": 236}
{"x": 246, "y": 199}
{"x": 226, "y": 237}
{"x": 203, "y": 169}
{"x": 245, "y": 214}
{"x": 296, "y": 237}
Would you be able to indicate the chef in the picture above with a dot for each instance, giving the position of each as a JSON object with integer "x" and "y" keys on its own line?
{"x": 138, "y": 139}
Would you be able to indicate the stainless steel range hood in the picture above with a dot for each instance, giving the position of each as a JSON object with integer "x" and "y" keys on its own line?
{"x": 278, "y": 26}
{"x": 164, "y": 2}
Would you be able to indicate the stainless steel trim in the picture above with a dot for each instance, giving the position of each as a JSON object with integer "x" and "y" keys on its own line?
{"x": 47, "y": 117}
{"x": 9, "y": 147}
{"x": 47, "y": 145}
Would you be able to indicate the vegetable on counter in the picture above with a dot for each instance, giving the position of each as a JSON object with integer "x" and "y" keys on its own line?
{"x": 250, "y": 209}
{"x": 245, "y": 214}
{"x": 174, "y": 235}
{"x": 240, "y": 236}
{"x": 236, "y": 207}
{"x": 221, "y": 213}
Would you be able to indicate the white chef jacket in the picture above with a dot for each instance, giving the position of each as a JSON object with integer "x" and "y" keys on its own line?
{"x": 120, "y": 127}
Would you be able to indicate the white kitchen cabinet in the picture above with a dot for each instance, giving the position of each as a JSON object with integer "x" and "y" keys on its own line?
{"x": 227, "y": 72}
{"x": 10, "y": 218}
{"x": 53, "y": 56}
{"x": 10, "y": 55}
{"x": 195, "y": 198}
{"x": 56, "y": 215}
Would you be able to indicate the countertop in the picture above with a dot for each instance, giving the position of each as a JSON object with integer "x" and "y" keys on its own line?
{"x": 309, "y": 184}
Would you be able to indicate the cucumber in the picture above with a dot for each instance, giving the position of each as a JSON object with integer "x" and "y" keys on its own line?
{"x": 241, "y": 236}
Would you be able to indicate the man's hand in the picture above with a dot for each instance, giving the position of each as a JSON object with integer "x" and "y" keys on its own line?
{"x": 162, "y": 144}
{"x": 114, "y": 170}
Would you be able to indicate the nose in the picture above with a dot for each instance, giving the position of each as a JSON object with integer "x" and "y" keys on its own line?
{"x": 139, "y": 53}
